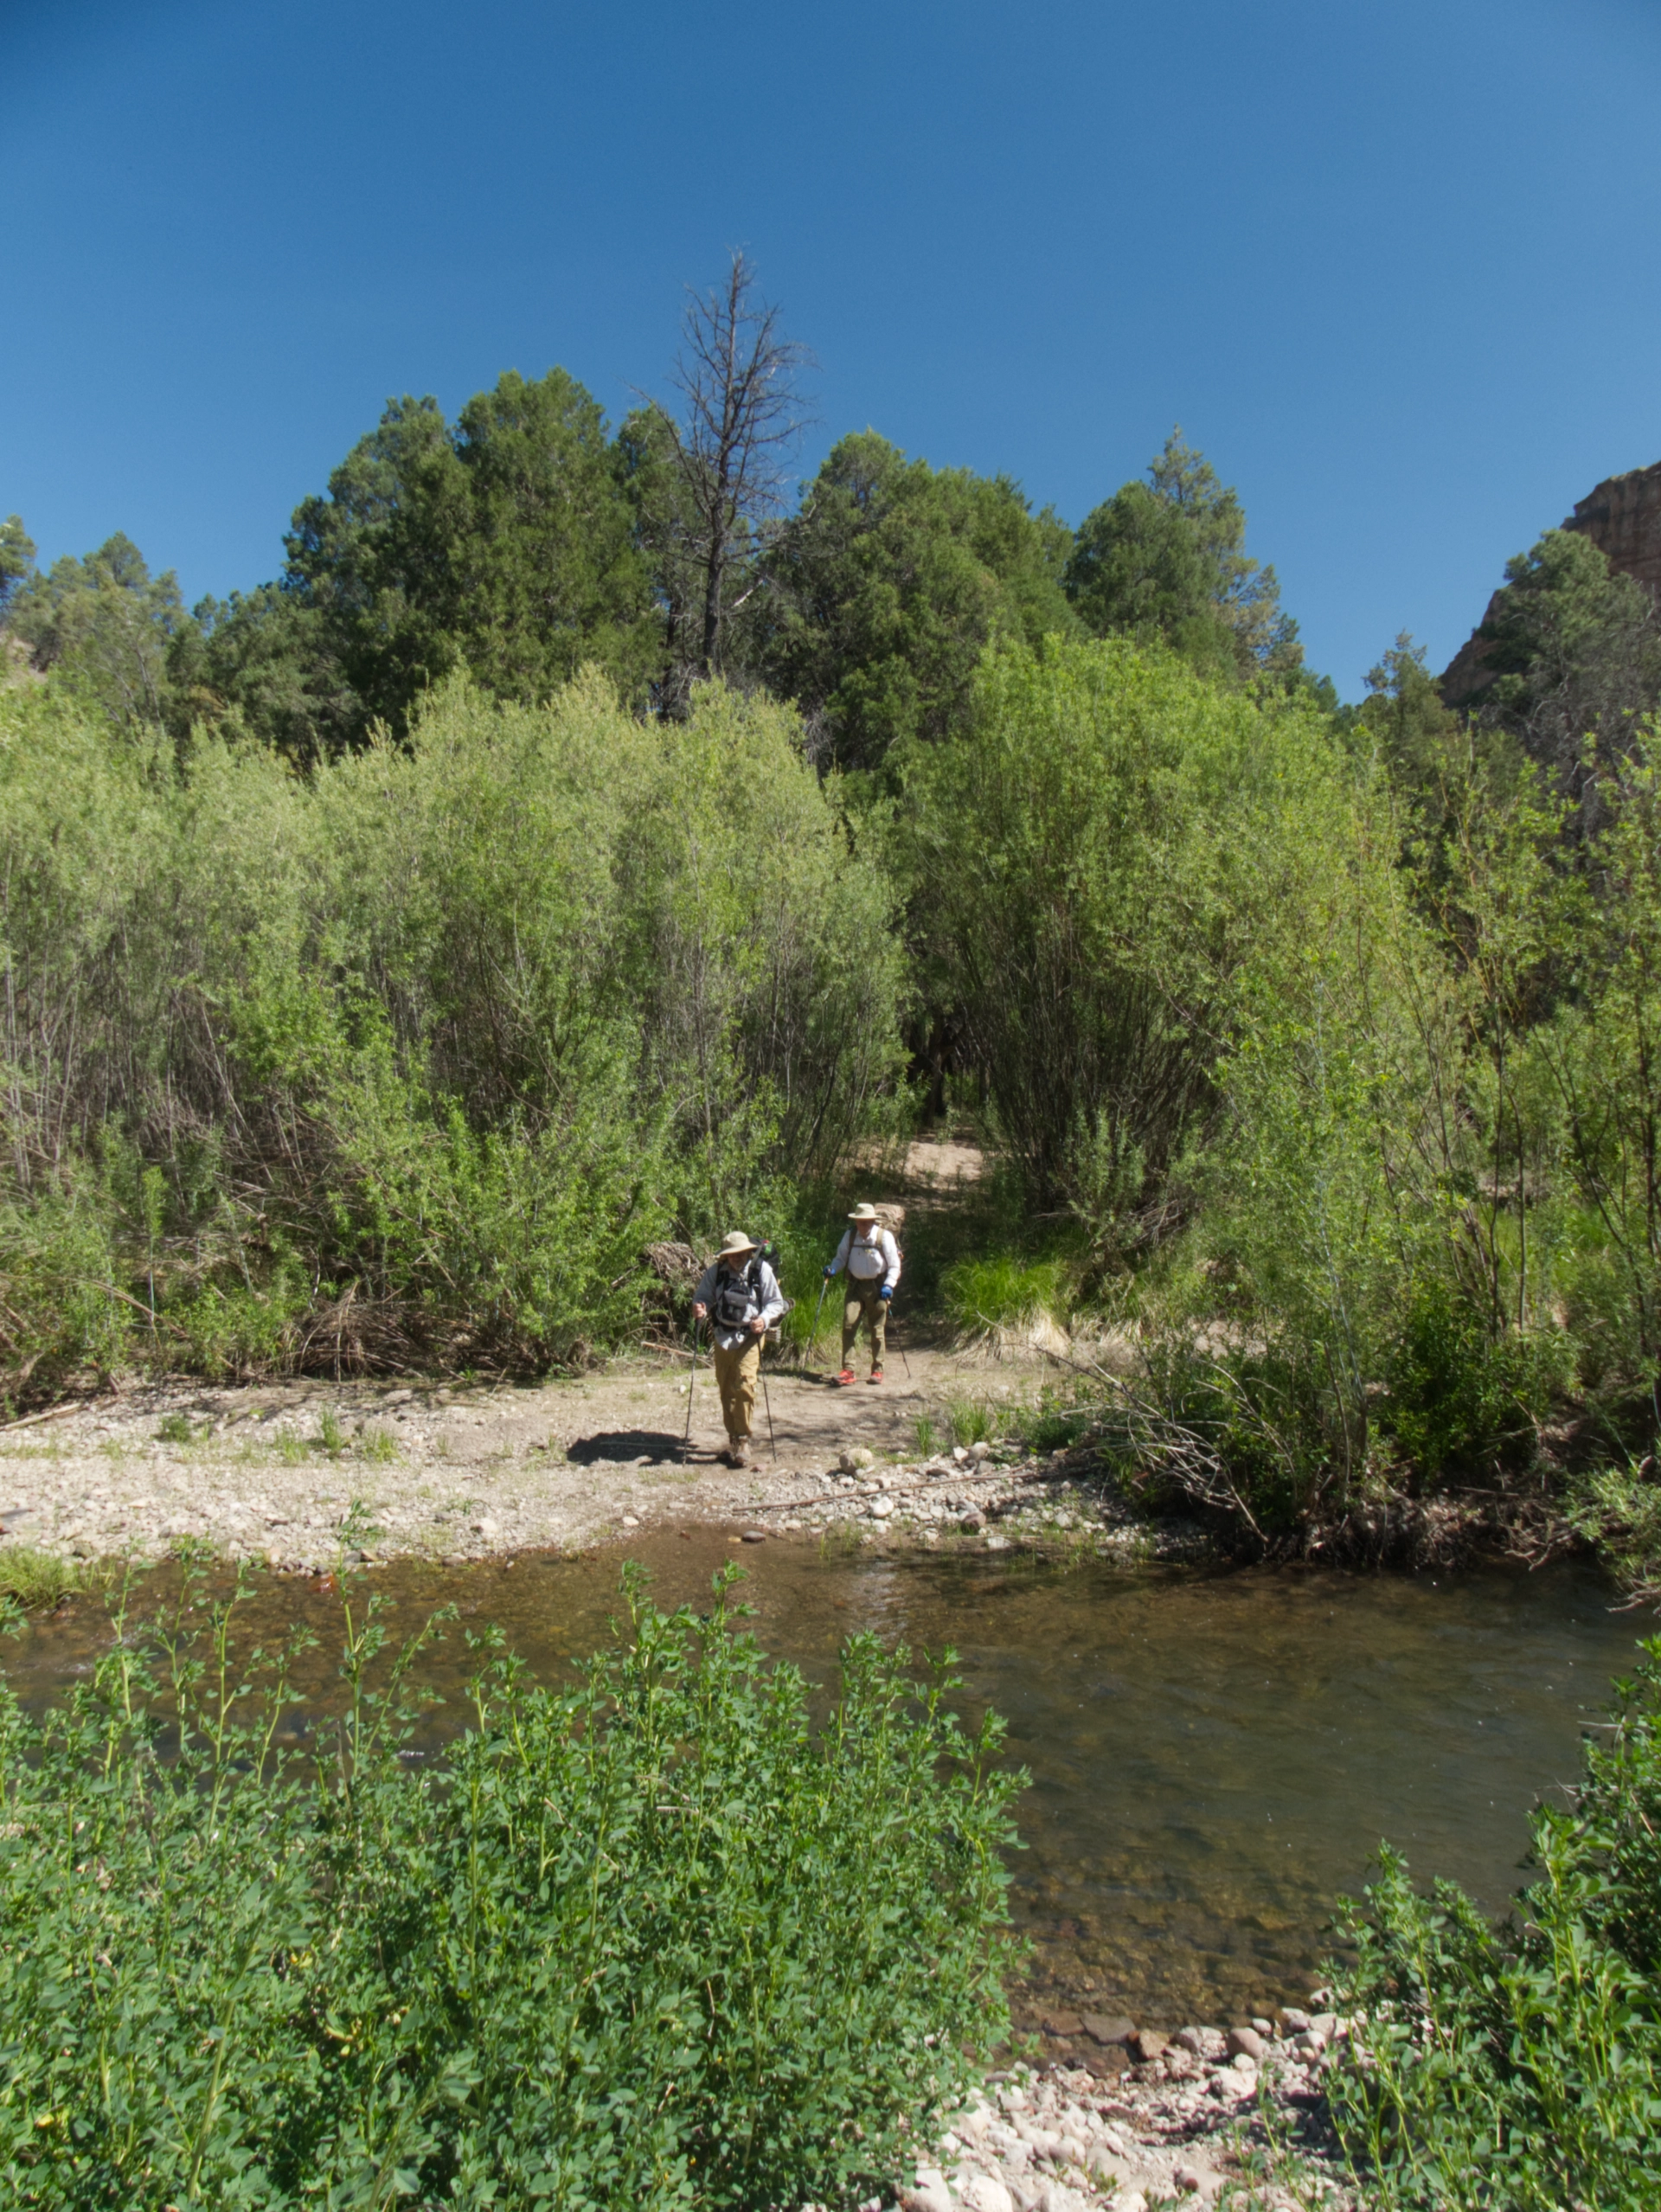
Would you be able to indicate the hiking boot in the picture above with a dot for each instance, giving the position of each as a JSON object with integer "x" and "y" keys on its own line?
{"x": 875, "y": 1375}
{"x": 844, "y": 1378}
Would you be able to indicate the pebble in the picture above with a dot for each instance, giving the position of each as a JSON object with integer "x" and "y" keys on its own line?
{"x": 1066, "y": 2140}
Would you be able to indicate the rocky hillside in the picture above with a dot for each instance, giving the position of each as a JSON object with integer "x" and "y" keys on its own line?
{"x": 1622, "y": 517}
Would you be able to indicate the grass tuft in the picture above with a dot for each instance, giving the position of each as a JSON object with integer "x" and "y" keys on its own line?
{"x": 1003, "y": 1292}
{"x": 36, "y": 1579}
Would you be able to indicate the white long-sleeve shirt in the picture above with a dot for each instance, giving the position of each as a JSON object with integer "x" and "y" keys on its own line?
{"x": 866, "y": 1258}
{"x": 770, "y": 1304}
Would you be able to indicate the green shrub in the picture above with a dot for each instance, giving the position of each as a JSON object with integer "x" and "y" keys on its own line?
{"x": 1519, "y": 2067}
{"x": 1462, "y": 1399}
{"x": 402, "y": 1062}
{"x": 653, "y": 1941}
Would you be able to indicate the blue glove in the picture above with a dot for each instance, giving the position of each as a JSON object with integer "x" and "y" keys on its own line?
{"x": 829, "y": 1272}
{"x": 887, "y": 1293}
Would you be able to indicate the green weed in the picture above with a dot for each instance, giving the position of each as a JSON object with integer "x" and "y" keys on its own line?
{"x": 36, "y": 1579}
{"x": 925, "y": 1437}
{"x": 1002, "y": 1291}
{"x": 331, "y": 1435}
{"x": 1519, "y": 2064}
{"x": 175, "y": 1428}
{"x": 657, "y": 1941}
{"x": 974, "y": 1421}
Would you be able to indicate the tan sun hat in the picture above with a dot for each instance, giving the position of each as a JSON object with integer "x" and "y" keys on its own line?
{"x": 863, "y": 1212}
{"x": 731, "y": 1245}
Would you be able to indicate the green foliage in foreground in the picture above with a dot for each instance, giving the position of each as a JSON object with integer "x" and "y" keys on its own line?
{"x": 655, "y": 1941}
{"x": 1518, "y": 2068}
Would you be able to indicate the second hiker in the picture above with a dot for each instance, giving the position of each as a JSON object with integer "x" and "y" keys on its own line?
{"x": 739, "y": 1297}
{"x": 870, "y": 1258}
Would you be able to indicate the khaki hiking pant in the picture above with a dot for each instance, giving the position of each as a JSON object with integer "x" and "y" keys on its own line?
{"x": 735, "y": 1374}
{"x": 864, "y": 1304}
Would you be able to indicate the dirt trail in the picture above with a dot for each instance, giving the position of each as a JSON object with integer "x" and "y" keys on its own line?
{"x": 274, "y": 1470}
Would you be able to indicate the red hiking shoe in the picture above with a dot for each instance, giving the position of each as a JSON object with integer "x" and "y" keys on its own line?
{"x": 875, "y": 1375}
{"x": 844, "y": 1378}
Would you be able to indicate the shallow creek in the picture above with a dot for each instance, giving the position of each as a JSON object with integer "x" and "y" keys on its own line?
{"x": 1213, "y": 1754}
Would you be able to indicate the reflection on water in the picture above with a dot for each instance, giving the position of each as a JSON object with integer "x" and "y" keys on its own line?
{"x": 1214, "y": 1756}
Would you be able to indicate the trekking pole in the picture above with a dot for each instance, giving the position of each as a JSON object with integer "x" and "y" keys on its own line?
{"x": 813, "y": 1341}
{"x": 899, "y": 1347}
{"x": 766, "y": 1397}
{"x": 691, "y": 1382}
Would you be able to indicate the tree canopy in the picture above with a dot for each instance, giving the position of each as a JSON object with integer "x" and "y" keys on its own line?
{"x": 103, "y": 620}
{"x": 886, "y": 586}
{"x": 1166, "y": 560}
{"x": 1571, "y": 652}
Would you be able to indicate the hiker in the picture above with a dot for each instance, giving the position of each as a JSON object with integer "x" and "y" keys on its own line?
{"x": 738, "y": 1294}
{"x": 870, "y": 1258}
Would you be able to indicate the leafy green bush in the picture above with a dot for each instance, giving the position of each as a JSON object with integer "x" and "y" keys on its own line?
{"x": 404, "y": 1062}
{"x": 1519, "y": 2067}
{"x": 653, "y": 1941}
{"x": 1462, "y": 1397}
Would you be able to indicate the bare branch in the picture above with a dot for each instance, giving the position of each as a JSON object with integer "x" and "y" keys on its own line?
{"x": 737, "y": 376}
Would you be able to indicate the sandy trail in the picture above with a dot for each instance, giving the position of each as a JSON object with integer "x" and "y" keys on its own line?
{"x": 290, "y": 1471}
{"x": 286, "y": 1472}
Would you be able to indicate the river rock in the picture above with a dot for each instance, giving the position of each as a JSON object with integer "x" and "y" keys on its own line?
{"x": 1246, "y": 2042}
{"x": 1062, "y": 2023}
{"x": 981, "y": 2193}
{"x": 1105, "y": 2164}
{"x": 1057, "y": 2196}
{"x": 1148, "y": 2044}
{"x": 1325, "y": 2025}
{"x": 1103, "y": 2027}
{"x": 880, "y": 1507}
{"x": 1188, "y": 2176}
{"x": 853, "y": 1461}
{"x": 972, "y": 1521}
{"x": 980, "y": 1451}
{"x": 1294, "y": 2020}
{"x": 930, "y": 2196}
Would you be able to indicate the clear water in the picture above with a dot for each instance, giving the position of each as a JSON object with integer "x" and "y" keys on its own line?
{"x": 1214, "y": 1756}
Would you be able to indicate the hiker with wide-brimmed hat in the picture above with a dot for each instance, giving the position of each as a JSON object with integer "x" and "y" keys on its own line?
{"x": 738, "y": 1296}
{"x": 870, "y": 1258}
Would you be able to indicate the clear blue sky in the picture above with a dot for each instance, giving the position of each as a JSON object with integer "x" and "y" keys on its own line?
{"x": 1394, "y": 266}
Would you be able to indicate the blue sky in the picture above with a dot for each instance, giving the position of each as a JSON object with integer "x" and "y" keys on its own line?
{"x": 1395, "y": 268}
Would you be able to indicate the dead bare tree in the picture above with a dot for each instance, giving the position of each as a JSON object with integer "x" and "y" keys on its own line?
{"x": 737, "y": 378}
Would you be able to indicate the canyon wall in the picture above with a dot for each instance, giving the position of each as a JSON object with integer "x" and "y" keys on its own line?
{"x": 1622, "y": 517}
